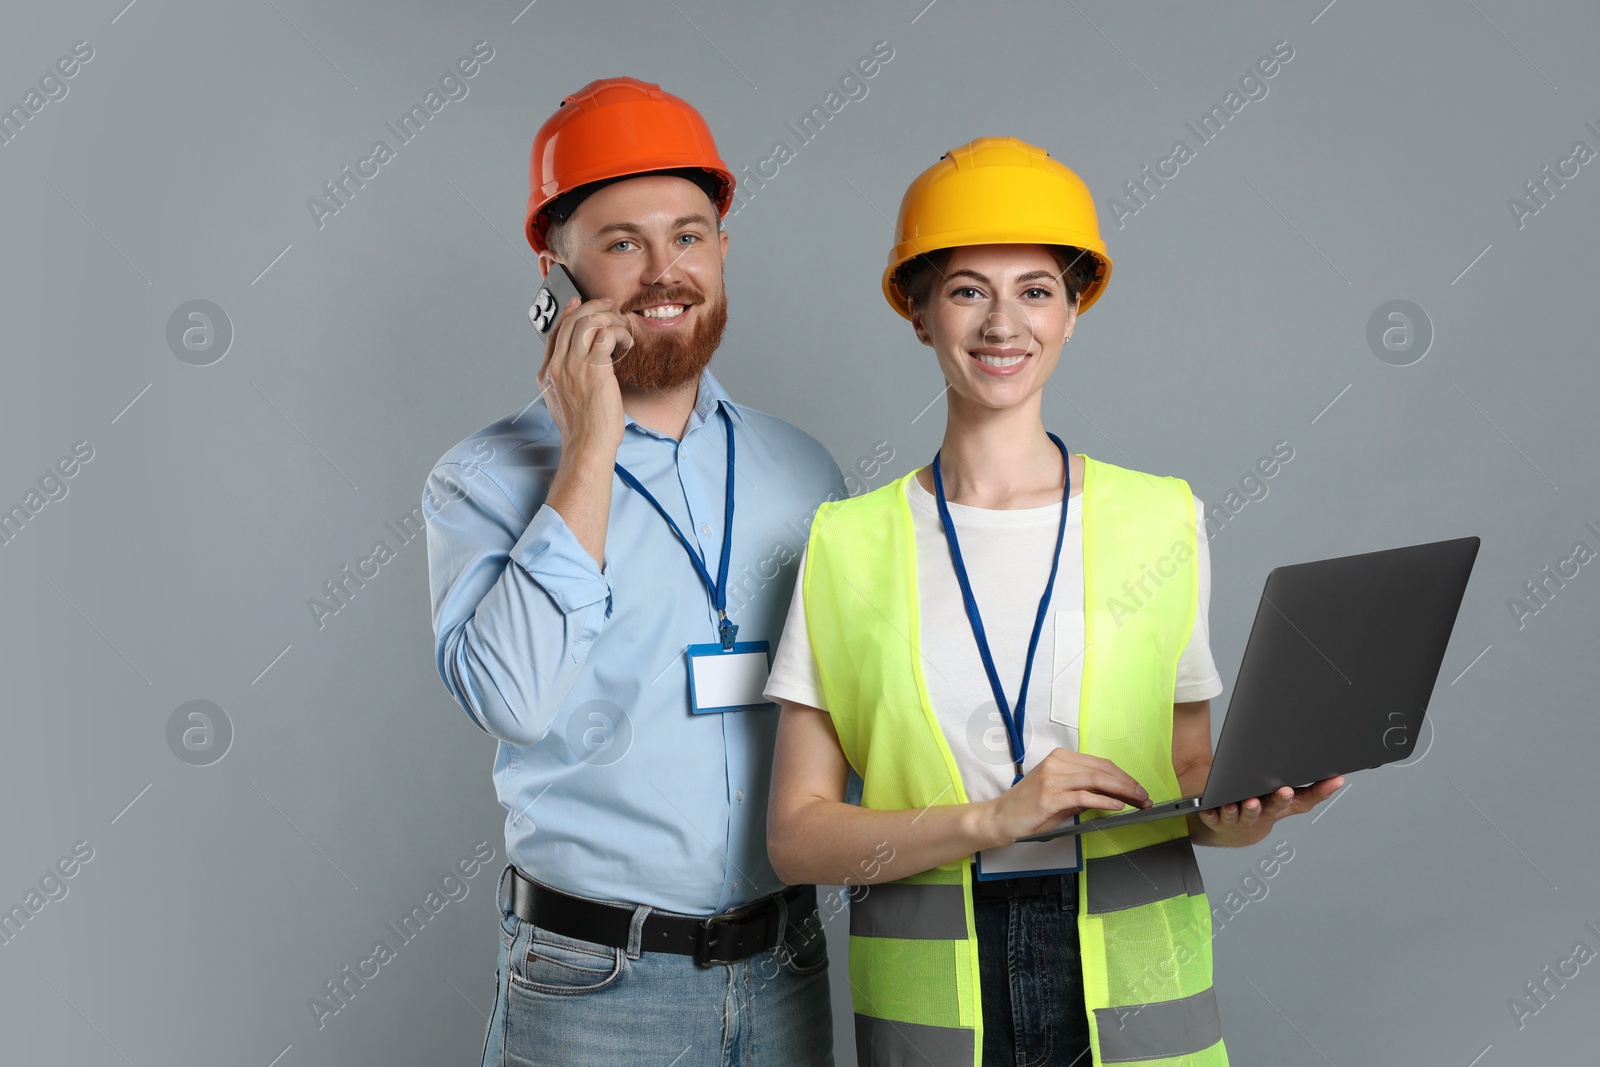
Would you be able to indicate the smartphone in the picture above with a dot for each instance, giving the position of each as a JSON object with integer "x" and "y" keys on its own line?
{"x": 545, "y": 311}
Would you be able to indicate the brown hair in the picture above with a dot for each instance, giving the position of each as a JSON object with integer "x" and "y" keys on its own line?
{"x": 559, "y": 211}
{"x": 916, "y": 276}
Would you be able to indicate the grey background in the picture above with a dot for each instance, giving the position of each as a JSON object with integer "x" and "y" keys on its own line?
{"x": 219, "y": 898}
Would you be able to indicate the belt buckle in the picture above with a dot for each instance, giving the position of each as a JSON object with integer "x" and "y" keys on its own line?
{"x": 703, "y": 936}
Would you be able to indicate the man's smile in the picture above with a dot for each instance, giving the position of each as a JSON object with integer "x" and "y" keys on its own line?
{"x": 662, "y": 316}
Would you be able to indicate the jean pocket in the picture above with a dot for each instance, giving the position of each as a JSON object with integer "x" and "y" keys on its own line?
{"x": 805, "y": 945}
{"x": 554, "y": 964}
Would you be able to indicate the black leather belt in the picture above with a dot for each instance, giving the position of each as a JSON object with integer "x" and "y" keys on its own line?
{"x": 1033, "y": 885}
{"x": 727, "y": 937}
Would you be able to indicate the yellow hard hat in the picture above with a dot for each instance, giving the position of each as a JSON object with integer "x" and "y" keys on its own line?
{"x": 996, "y": 190}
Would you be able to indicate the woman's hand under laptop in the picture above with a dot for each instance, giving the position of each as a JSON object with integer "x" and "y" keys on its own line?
{"x": 1248, "y": 822}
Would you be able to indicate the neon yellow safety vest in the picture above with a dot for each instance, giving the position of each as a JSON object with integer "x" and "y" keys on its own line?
{"x": 1144, "y": 923}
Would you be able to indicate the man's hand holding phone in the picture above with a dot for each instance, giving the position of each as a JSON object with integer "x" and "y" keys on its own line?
{"x": 585, "y": 402}
{"x": 578, "y": 379}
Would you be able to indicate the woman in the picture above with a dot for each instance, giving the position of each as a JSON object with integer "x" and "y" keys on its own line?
{"x": 995, "y": 644}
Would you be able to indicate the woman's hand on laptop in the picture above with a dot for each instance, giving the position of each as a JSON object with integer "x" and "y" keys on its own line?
{"x": 1248, "y": 822}
{"x": 1063, "y": 784}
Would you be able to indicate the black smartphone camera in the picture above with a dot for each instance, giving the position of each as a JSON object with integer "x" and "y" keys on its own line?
{"x": 545, "y": 311}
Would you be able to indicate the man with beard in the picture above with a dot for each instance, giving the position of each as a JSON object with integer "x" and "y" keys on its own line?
{"x": 604, "y": 611}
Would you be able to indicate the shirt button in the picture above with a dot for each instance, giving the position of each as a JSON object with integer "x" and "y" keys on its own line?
{"x": 705, "y": 527}
{"x": 736, "y": 886}
{"x": 739, "y": 795}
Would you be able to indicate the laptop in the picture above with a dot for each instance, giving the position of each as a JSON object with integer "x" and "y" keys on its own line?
{"x": 1341, "y": 661}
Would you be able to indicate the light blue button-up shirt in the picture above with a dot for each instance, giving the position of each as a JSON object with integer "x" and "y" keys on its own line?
{"x": 612, "y": 787}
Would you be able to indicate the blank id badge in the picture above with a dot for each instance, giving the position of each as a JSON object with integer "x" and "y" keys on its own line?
{"x": 1062, "y": 855}
{"x": 728, "y": 679}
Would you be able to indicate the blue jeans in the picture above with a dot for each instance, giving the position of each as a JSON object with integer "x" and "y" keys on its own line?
{"x": 1031, "y": 978}
{"x": 565, "y": 1002}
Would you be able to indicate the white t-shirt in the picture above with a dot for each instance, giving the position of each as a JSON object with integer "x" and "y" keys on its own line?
{"x": 1007, "y": 554}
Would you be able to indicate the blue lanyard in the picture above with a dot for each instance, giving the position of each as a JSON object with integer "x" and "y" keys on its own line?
{"x": 726, "y": 630}
{"x": 1013, "y": 723}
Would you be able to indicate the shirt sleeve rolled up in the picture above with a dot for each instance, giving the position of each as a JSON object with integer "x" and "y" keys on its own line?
{"x": 517, "y": 603}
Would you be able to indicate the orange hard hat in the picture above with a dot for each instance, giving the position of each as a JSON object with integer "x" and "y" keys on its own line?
{"x": 611, "y": 128}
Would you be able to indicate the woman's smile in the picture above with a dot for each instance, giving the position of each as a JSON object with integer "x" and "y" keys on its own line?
{"x": 1000, "y": 361}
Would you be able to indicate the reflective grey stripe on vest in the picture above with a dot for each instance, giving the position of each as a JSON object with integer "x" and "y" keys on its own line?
{"x": 887, "y": 1043}
{"x": 1142, "y": 876}
{"x": 1159, "y": 1030}
{"x": 896, "y": 909}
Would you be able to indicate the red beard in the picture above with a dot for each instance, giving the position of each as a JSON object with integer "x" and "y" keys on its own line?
{"x": 665, "y": 360}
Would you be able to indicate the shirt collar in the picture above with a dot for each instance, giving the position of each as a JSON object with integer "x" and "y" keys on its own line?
{"x": 710, "y": 396}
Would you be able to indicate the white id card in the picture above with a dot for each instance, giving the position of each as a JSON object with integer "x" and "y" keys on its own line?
{"x": 1058, "y": 856}
{"x": 731, "y": 680}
